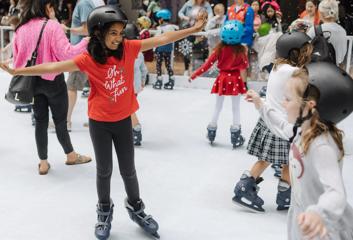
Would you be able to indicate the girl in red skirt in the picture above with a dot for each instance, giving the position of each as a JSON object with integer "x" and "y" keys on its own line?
{"x": 232, "y": 64}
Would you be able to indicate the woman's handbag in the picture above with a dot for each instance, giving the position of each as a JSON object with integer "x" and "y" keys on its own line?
{"x": 21, "y": 89}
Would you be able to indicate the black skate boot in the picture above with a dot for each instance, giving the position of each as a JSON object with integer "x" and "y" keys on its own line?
{"x": 147, "y": 79}
{"x": 170, "y": 84}
{"x": 158, "y": 84}
{"x": 235, "y": 137}
{"x": 33, "y": 119}
{"x": 246, "y": 193}
{"x": 283, "y": 195}
{"x": 27, "y": 108}
{"x": 263, "y": 91}
{"x": 137, "y": 134}
{"x": 146, "y": 222}
{"x": 104, "y": 217}
{"x": 85, "y": 92}
{"x": 211, "y": 133}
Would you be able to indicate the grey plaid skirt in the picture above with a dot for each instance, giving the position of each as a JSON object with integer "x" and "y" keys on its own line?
{"x": 267, "y": 146}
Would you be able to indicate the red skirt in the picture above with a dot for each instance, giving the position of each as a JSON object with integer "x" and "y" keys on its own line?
{"x": 230, "y": 84}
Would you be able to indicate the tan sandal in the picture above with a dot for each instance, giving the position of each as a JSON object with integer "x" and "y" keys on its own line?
{"x": 80, "y": 159}
{"x": 45, "y": 172}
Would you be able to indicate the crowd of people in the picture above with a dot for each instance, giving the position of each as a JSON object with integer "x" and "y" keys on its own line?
{"x": 104, "y": 53}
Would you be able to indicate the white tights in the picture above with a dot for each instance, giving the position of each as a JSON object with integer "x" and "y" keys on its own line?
{"x": 235, "y": 110}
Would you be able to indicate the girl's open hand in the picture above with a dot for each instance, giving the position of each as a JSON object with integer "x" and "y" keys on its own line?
{"x": 6, "y": 68}
{"x": 312, "y": 225}
{"x": 252, "y": 96}
{"x": 201, "y": 21}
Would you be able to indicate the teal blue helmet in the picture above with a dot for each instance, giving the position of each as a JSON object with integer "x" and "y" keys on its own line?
{"x": 232, "y": 32}
{"x": 164, "y": 14}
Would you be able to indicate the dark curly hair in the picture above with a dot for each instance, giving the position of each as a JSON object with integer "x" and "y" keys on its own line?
{"x": 97, "y": 48}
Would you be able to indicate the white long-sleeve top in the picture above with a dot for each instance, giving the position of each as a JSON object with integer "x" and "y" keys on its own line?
{"x": 316, "y": 179}
{"x": 277, "y": 81}
{"x": 140, "y": 72}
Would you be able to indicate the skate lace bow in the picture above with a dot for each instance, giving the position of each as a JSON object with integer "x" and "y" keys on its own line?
{"x": 102, "y": 224}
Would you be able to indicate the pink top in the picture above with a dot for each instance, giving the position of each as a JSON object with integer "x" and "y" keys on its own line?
{"x": 54, "y": 45}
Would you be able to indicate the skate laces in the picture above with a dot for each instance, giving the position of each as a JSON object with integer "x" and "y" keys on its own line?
{"x": 103, "y": 218}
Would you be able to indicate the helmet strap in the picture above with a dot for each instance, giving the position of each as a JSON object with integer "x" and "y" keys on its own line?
{"x": 299, "y": 122}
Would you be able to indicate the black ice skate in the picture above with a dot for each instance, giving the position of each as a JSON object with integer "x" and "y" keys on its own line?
{"x": 283, "y": 196}
{"x": 33, "y": 119}
{"x": 170, "y": 84}
{"x": 158, "y": 84}
{"x": 146, "y": 222}
{"x": 246, "y": 193}
{"x": 263, "y": 91}
{"x": 104, "y": 217}
{"x": 235, "y": 137}
{"x": 27, "y": 108}
{"x": 137, "y": 134}
{"x": 211, "y": 133}
{"x": 85, "y": 92}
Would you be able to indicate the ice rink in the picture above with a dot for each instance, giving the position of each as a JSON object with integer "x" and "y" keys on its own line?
{"x": 186, "y": 184}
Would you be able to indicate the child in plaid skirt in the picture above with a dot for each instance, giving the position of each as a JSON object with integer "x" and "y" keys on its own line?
{"x": 315, "y": 105}
{"x": 293, "y": 51}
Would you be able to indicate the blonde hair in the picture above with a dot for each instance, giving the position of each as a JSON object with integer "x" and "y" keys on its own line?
{"x": 329, "y": 9}
{"x": 219, "y": 7}
{"x": 317, "y": 126}
{"x": 296, "y": 58}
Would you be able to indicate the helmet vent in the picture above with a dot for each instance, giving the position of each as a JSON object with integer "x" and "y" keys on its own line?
{"x": 110, "y": 12}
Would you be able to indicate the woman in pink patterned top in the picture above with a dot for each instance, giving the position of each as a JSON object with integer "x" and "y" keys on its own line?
{"x": 50, "y": 89}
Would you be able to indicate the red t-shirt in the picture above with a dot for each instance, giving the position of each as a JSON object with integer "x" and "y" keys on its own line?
{"x": 112, "y": 96}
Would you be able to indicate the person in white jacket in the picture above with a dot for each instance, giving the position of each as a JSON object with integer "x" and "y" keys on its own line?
{"x": 314, "y": 105}
{"x": 140, "y": 75}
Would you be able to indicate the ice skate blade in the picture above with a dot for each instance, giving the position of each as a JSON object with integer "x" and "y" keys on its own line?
{"x": 155, "y": 235}
{"x": 247, "y": 207}
{"x": 282, "y": 208}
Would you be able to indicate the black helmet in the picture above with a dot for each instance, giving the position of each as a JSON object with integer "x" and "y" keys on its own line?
{"x": 131, "y": 31}
{"x": 335, "y": 89}
{"x": 290, "y": 41}
{"x": 103, "y": 15}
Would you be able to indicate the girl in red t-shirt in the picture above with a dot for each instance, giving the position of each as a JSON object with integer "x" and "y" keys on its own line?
{"x": 109, "y": 64}
{"x": 232, "y": 65}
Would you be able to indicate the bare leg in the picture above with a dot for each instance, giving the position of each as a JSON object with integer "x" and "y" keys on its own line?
{"x": 72, "y": 101}
{"x": 285, "y": 174}
{"x": 258, "y": 168}
{"x": 134, "y": 120}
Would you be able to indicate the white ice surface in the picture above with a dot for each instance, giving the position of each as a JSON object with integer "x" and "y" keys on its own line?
{"x": 186, "y": 184}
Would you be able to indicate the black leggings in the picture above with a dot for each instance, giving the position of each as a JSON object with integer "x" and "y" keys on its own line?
{"x": 103, "y": 134}
{"x": 167, "y": 61}
{"x": 53, "y": 95}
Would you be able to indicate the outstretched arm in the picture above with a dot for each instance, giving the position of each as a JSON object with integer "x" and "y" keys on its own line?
{"x": 204, "y": 67}
{"x": 53, "y": 67}
{"x": 170, "y": 37}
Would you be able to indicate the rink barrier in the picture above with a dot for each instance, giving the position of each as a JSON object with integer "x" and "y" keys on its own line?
{"x": 3, "y": 29}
